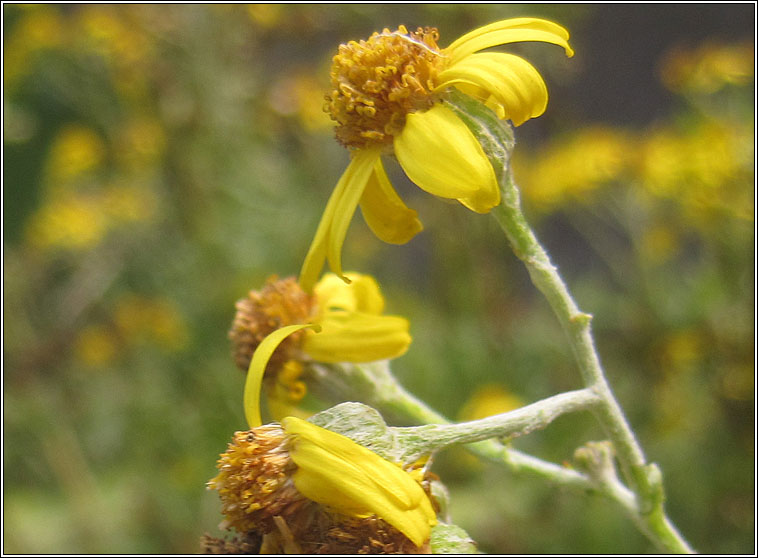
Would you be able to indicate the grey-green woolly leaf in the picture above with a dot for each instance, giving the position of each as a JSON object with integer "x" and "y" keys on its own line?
{"x": 362, "y": 424}
{"x": 494, "y": 135}
{"x": 451, "y": 539}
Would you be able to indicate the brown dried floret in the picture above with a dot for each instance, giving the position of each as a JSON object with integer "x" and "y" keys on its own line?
{"x": 279, "y": 303}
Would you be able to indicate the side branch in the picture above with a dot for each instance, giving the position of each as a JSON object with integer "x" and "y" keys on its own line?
{"x": 422, "y": 440}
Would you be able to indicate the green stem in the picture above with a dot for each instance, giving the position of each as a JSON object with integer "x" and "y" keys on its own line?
{"x": 644, "y": 478}
{"x": 423, "y": 440}
{"x": 576, "y": 325}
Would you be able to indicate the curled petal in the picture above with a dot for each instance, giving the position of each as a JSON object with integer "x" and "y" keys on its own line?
{"x": 336, "y": 472}
{"x": 362, "y": 294}
{"x": 512, "y": 84}
{"x": 330, "y": 235}
{"x": 261, "y": 356}
{"x": 385, "y": 213}
{"x": 509, "y": 31}
{"x": 440, "y": 154}
{"x": 358, "y": 337}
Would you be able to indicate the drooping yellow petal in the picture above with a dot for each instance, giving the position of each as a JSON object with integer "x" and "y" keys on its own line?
{"x": 362, "y": 294}
{"x": 516, "y": 88}
{"x": 356, "y": 182}
{"x": 261, "y": 356}
{"x": 330, "y": 234}
{"x": 385, "y": 213}
{"x": 508, "y": 31}
{"x": 358, "y": 337}
{"x": 337, "y": 472}
{"x": 440, "y": 155}
{"x": 357, "y": 460}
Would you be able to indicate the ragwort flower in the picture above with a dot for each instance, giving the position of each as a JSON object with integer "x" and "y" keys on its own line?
{"x": 296, "y": 486}
{"x": 339, "y": 322}
{"x": 291, "y": 482}
{"x": 387, "y": 97}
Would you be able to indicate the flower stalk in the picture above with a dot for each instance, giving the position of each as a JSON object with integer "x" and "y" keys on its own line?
{"x": 643, "y": 478}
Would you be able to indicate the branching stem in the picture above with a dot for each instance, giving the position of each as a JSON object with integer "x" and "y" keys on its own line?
{"x": 643, "y": 478}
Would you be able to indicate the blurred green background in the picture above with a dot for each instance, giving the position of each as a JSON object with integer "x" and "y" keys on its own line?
{"x": 162, "y": 160}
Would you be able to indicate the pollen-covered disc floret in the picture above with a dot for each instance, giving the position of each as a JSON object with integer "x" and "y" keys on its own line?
{"x": 377, "y": 82}
{"x": 261, "y": 502}
{"x": 279, "y": 303}
{"x": 255, "y": 480}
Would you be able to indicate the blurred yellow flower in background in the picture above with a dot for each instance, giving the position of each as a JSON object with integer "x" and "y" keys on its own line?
{"x": 72, "y": 220}
{"x": 704, "y": 168}
{"x": 40, "y": 27}
{"x": 300, "y": 94}
{"x": 140, "y": 143}
{"x": 489, "y": 400}
{"x": 134, "y": 321}
{"x": 267, "y": 16}
{"x": 77, "y": 149}
{"x": 96, "y": 345}
{"x": 110, "y": 33}
{"x": 571, "y": 168}
{"x": 709, "y": 67}
{"x": 157, "y": 320}
{"x": 81, "y": 204}
{"x": 659, "y": 242}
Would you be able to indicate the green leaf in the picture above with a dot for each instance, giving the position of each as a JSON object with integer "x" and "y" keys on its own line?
{"x": 451, "y": 539}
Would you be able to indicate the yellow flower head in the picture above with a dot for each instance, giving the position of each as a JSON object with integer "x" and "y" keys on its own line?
{"x": 299, "y": 486}
{"x": 387, "y": 96}
{"x": 342, "y": 475}
{"x": 278, "y": 328}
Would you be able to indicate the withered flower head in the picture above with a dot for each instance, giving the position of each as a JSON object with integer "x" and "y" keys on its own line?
{"x": 300, "y": 488}
{"x": 255, "y": 480}
{"x": 279, "y": 303}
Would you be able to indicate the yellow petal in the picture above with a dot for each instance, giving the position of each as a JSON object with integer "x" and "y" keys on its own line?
{"x": 385, "y": 213}
{"x": 360, "y": 169}
{"x": 516, "y": 87}
{"x": 261, "y": 356}
{"x": 440, "y": 155}
{"x": 358, "y": 337}
{"x": 336, "y": 472}
{"x": 508, "y": 31}
{"x": 362, "y": 294}
{"x": 330, "y": 234}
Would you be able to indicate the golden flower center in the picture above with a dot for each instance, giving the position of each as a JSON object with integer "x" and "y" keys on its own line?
{"x": 255, "y": 480}
{"x": 377, "y": 82}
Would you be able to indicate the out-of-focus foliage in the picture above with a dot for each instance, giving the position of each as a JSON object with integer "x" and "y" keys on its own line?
{"x": 162, "y": 160}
